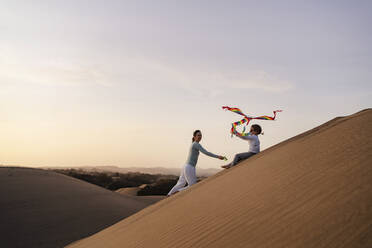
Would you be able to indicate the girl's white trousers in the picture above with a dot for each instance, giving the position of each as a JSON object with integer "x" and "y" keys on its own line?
{"x": 188, "y": 175}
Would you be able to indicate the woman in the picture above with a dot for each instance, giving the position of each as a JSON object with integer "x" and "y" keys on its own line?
{"x": 188, "y": 173}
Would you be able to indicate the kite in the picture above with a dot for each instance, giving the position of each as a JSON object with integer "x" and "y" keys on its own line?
{"x": 246, "y": 120}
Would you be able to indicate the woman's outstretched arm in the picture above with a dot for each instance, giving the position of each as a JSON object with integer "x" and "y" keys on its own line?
{"x": 200, "y": 148}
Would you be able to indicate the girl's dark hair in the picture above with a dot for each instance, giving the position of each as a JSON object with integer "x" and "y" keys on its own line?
{"x": 194, "y": 134}
{"x": 257, "y": 128}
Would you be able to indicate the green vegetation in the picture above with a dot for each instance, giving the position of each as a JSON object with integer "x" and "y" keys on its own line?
{"x": 156, "y": 184}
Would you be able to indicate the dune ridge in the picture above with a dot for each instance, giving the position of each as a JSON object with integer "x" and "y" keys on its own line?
{"x": 312, "y": 190}
{"x": 132, "y": 192}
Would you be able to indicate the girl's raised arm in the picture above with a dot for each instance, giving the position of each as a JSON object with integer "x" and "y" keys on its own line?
{"x": 246, "y": 137}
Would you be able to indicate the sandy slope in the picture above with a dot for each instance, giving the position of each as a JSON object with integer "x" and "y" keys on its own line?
{"x": 132, "y": 192}
{"x": 314, "y": 190}
{"x": 40, "y": 208}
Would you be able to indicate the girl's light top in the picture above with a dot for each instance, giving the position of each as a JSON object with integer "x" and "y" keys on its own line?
{"x": 254, "y": 142}
{"x": 194, "y": 153}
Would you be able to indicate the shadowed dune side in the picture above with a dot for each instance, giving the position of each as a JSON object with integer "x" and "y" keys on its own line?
{"x": 313, "y": 190}
{"x": 40, "y": 208}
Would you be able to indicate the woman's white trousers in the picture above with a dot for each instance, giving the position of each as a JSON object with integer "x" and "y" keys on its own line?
{"x": 188, "y": 175}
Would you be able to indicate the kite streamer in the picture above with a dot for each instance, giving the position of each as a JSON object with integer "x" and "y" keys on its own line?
{"x": 246, "y": 120}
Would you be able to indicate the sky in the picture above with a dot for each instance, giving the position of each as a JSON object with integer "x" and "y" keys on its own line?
{"x": 126, "y": 83}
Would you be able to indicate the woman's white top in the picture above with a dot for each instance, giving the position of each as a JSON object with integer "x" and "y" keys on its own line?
{"x": 192, "y": 159}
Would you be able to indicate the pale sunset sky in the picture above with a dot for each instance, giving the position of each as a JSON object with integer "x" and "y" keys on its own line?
{"x": 125, "y": 83}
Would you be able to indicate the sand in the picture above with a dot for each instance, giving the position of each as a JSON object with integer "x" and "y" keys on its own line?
{"x": 40, "y": 208}
{"x": 313, "y": 190}
{"x": 132, "y": 192}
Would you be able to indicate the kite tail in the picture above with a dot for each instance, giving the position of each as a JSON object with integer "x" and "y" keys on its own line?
{"x": 276, "y": 111}
{"x": 235, "y": 110}
{"x": 238, "y": 123}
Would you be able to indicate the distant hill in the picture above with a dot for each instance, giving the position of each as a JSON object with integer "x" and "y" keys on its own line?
{"x": 153, "y": 184}
{"x": 149, "y": 170}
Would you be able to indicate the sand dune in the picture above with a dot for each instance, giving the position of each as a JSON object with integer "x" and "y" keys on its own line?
{"x": 314, "y": 190}
{"x": 132, "y": 192}
{"x": 40, "y": 208}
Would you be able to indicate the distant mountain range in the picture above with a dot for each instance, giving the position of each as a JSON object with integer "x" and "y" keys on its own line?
{"x": 148, "y": 170}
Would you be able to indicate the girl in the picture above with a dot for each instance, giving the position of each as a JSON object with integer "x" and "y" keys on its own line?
{"x": 254, "y": 145}
{"x": 188, "y": 173}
